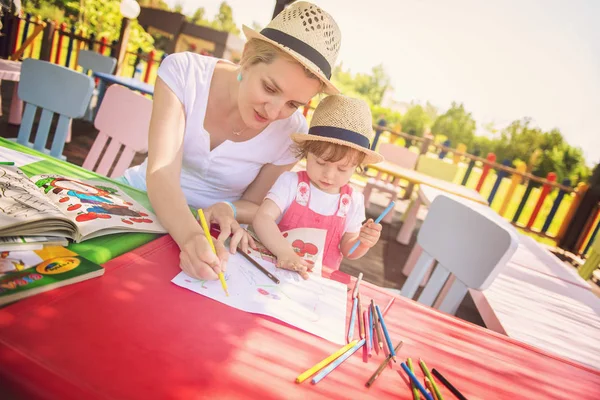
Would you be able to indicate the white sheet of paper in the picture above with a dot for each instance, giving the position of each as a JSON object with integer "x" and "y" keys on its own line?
{"x": 17, "y": 157}
{"x": 316, "y": 305}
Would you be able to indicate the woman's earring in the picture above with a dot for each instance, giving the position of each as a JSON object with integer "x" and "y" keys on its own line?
{"x": 239, "y": 77}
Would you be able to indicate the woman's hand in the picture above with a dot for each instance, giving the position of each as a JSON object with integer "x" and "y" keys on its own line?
{"x": 222, "y": 215}
{"x": 293, "y": 262}
{"x": 198, "y": 260}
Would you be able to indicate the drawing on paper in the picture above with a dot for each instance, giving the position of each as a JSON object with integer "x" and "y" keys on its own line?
{"x": 16, "y": 197}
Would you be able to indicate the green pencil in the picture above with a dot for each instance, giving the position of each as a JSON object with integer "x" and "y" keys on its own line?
{"x": 7, "y": 163}
{"x": 416, "y": 395}
{"x": 428, "y": 374}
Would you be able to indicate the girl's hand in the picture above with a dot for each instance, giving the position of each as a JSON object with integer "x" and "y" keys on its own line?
{"x": 293, "y": 262}
{"x": 370, "y": 233}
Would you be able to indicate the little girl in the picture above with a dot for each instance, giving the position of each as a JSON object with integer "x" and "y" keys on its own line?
{"x": 337, "y": 143}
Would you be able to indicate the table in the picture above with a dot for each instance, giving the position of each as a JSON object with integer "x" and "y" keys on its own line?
{"x": 535, "y": 298}
{"x": 427, "y": 192}
{"x": 133, "y": 84}
{"x": 100, "y": 249}
{"x": 11, "y": 71}
{"x": 133, "y": 334}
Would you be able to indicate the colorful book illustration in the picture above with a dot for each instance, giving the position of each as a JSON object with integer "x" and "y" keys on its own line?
{"x": 54, "y": 205}
{"x": 316, "y": 305}
{"x": 27, "y": 273}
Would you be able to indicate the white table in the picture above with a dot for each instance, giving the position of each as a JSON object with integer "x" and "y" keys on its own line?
{"x": 11, "y": 71}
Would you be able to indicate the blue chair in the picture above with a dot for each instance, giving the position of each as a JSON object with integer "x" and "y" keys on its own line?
{"x": 92, "y": 61}
{"x": 56, "y": 90}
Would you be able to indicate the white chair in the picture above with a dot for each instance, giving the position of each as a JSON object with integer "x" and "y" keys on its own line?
{"x": 395, "y": 154}
{"x": 468, "y": 241}
{"x": 92, "y": 61}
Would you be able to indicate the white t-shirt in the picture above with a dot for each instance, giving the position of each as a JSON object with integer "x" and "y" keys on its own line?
{"x": 283, "y": 193}
{"x": 224, "y": 173}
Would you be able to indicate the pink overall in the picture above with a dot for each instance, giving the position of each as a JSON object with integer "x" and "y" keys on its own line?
{"x": 299, "y": 215}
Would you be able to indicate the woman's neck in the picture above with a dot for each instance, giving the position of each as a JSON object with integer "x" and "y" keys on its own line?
{"x": 228, "y": 91}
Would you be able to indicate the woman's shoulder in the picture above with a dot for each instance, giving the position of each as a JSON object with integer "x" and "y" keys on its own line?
{"x": 186, "y": 61}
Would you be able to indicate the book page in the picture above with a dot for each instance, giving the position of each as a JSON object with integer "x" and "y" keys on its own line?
{"x": 96, "y": 206}
{"x": 21, "y": 201}
{"x": 316, "y": 305}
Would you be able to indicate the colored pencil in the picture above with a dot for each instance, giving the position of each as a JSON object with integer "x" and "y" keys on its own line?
{"x": 378, "y": 220}
{"x": 429, "y": 387}
{"x": 385, "y": 333}
{"x": 377, "y": 325}
{"x": 416, "y": 382}
{"x": 260, "y": 267}
{"x": 361, "y": 322}
{"x": 437, "y": 393}
{"x": 381, "y": 367}
{"x": 327, "y": 370}
{"x": 317, "y": 367}
{"x": 352, "y": 320}
{"x": 367, "y": 336}
{"x": 7, "y": 163}
{"x": 389, "y": 304}
{"x": 356, "y": 285}
{"x": 371, "y": 333}
{"x": 212, "y": 246}
{"x": 416, "y": 395}
{"x": 446, "y": 383}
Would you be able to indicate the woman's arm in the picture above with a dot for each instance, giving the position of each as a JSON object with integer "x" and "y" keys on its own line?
{"x": 165, "y": 154}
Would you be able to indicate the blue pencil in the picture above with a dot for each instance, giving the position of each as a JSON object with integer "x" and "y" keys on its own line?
{"x": 324, "y": 372}
{"x": 352, "y": 320}
{"x": 378, "y": 220}
{"x": 416, "y": 382}
{"x": 386, "y": 334}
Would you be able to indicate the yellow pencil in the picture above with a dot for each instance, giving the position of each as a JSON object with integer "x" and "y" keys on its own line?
{"x": 212, "y": 246}
{"x": 309, "y": 372}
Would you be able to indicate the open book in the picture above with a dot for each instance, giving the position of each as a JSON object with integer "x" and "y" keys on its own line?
{"x": 53, "y": 205}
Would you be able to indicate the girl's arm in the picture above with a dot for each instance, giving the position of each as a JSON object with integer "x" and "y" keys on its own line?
{"x": 270, "y": 236}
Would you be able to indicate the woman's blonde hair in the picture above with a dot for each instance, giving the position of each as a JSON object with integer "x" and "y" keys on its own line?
{"x": 258, "y": 51}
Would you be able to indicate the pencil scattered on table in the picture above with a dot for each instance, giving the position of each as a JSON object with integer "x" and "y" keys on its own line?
{"x": 371, "y": 332}
{"x": 361, "y": 321}
{"x": 367, "y": 335}
{"x": 416, "y": 395}
{"x": 378, "y": 220}
{"x": 386, "y": 334}
{"x": 212, "y": 246}
{"x": 327, "y": 370}
{"x": 260, "y": 267}
{"x": 352, "y": 320}
{"x": 429, "y": 387}
{"x": 356, "y": 285}
{"x": 381, "y": 367}
{"x": 377, "y": 326}
{"x": 446, "y": 383}
{"x": 7, "y": 163}
{"x": 438, "y": 394}
{"x": 317, "y": 367}
{"x": 415, "y": 380}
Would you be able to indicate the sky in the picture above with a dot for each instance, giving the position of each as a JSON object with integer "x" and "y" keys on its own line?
{"x": 504, "y": 59}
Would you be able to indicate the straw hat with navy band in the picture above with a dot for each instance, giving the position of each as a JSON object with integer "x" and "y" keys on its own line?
{"x": 308, "y": 34}
{"x": 343, "y": 120}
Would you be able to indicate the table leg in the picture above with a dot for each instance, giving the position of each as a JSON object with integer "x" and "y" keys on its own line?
{"x": 16, "y": 107}
{"x": 410, "y": 221}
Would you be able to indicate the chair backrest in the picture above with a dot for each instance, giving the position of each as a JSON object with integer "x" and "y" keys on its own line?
{"x": 467, "y": 241}
{"x": 398, "y": 155}
{"x": 437, "y": 168}
{"x": 92, "y": 61}
{"x": 124, "y": 117}
{"x": 54, "y": 89}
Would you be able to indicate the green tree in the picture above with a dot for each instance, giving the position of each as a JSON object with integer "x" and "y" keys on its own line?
{"x": 224, "y": 20}
{"x": 415, "y": 120}
{"x": 370, "y": 87}
{"x": 198, "y": 17}
{"x": 456, "y": 124}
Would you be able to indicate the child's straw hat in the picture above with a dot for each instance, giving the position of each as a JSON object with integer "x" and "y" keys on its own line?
{"x": 343, "y": 120}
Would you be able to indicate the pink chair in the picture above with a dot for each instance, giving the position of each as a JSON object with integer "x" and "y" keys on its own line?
{"x": 397, "y": 155}
{"x": 124, "y": 118}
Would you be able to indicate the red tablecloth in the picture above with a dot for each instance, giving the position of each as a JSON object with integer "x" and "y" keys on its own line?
{"x": 133, "y": 334}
